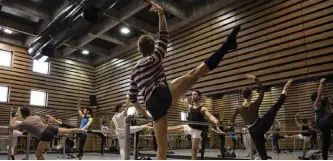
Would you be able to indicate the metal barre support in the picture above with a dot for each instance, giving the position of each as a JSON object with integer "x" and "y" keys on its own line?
{"x": 28, "y": 147}
{"x": 128, "y": 120}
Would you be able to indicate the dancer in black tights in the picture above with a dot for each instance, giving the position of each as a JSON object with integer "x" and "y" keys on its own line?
{"x": 249, "y": 112}
{"x": 148, "y": 78}
{"x": 323, "y": 118}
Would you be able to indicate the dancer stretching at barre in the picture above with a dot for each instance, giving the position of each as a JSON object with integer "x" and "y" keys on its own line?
{"x": 149, "y": 79}
{"x": 323, "y": 118}
{"x": 38, "y": 127}
{"x": 16, "y": 134}
{"x": 119, "y": 125}
{"x": 305, "y": 125}
{"x": 196, "y": 113}
{"x": 86, "y": 120}
{"x": 249, "y": 112}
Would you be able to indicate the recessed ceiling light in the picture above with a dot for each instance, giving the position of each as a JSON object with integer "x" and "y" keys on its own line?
{"x": 85, "y": 52}
{"x": 8, "y": 31}
{"x": 125, "y": 30}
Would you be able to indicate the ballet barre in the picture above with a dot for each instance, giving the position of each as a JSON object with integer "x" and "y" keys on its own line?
{"x": 129, "y": 118}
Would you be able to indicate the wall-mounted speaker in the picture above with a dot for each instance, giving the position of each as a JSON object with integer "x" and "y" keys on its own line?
{"x": 93, "y": 100}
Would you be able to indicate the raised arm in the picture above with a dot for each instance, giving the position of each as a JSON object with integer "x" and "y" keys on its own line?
{"x": 260, "y": 87}
{"x": 296, "y": 120}
{"x": 320, "y": 92}
{"x": 79, "y": 108}
{"x": 210, "y": 116}
{"x": 161, "y": 47}
{"x": 162, "y": 20}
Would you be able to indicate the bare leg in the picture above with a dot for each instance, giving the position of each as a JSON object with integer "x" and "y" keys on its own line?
{"x": 180, "y": 86}
{"x": 40, "y": 150}
{"x": 160, "y": 129}
{"x": 195, "y": 147}
{"x": 63, "y": 131}
{"x": 178, "y": 128}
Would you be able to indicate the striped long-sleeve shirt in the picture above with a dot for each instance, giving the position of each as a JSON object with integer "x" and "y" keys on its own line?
{"x": 149, "y": 71}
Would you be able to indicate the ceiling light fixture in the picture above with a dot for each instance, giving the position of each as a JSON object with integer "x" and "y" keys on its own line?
{"x": 8, "y": 31}
{"x": 125, "y": 30}
{"x": 85, "y": 52}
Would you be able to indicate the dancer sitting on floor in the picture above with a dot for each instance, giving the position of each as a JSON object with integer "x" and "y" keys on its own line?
{"x": 250, "y": 113}
{"x": 119, "y": 123}
{"x": 305, "y": 137}
{"x": 149, "y": 79}
{"x": 323, "y": 118}
{"x": 38, "y": 127}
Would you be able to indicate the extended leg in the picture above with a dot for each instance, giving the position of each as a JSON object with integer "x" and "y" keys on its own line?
{"x": 269, "y": 117}
{"x": 181, "y": 85}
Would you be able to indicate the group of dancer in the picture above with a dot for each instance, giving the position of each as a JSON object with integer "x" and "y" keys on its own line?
{"x": 149, "y": 79}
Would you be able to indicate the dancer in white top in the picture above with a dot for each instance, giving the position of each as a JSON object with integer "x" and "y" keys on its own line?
{"x": 16, "y": 134}
{"x": 119, "y": 125}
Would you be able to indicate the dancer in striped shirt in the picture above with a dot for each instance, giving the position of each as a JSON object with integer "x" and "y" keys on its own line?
{"x": 148, "y": 78}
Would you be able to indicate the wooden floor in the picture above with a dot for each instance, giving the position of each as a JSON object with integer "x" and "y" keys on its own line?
{"x": 185, "y": 153}
{"x": 212, "y": 154}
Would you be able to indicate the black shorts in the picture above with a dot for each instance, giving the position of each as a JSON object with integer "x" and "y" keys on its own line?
{"x": 159, "y": 102}
{"x": 49, "y": 133}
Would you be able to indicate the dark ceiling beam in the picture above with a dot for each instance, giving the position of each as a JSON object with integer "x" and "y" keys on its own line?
{"x": 91, "y": 48}
{"x": 140, "y": 25}
{"x": 173, "y": 8}
{"x": 11, "y": 41}
{"x": 112, "y": 39}
{"x": 133, "y": 22}
{"x": 199, "y": 12}
{"x": 174, "y": 24}
{"x": 45, "y": 22}
{"x": 99, "y": 29}
{"x": 17, "y": 27}
{"x": 29, "y": 31}
{"x": 26, "y": 7}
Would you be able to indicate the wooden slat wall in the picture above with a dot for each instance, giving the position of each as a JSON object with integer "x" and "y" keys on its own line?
{"x": 68, "y": 80}
{"x": 279, "y": 39}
